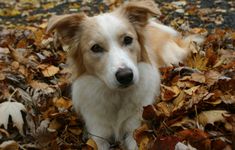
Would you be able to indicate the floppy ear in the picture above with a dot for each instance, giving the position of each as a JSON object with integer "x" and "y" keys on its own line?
{"x": 139, "y": 12}
{"x": 66, "y": 26}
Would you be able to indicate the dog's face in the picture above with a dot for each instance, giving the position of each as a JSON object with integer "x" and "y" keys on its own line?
{"x": 108, "y": 46}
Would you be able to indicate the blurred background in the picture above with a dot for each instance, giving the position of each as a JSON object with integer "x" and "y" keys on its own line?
{"x": 195, "y": 13}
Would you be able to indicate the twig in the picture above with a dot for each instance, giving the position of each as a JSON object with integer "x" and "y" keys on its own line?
{"x": 12, "y": 94}
{"x": 212, "y": 137}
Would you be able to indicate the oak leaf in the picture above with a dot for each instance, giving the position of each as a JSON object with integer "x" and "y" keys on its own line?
{"x": 212, "y": 116}
{"x": 12, "y": 109}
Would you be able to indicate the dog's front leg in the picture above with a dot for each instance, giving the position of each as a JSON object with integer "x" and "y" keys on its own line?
{"x": 130, "y": 125}
{"x": 100, "y": 133}
{"x": 130, "y": 142}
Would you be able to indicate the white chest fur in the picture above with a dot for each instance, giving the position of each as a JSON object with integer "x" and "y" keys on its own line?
{"x": 114, "y": 112}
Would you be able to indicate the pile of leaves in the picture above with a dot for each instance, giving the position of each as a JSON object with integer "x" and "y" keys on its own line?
{"x": 195, "y": 109}
{"x": 197, "y": 102}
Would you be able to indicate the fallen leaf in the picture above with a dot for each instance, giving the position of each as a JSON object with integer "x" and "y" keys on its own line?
{"x": 212, "y": 77}
{"x": 168, "y": 93}
{"x": 197, "y": 61}
{"x": 140, "y": 133}
{"x": 165, "y": 143}
{"x": 62, "y": 103}
{"x": 164, "y": 108}
{"x": 9, "y": 145}
{"x": 179, "y": 101}
{"x": 182, "y": 146}
{"x": 198, "y": 77}
{"x": 144, "y": 143}
{"x": 50, "y": 71}
{"x": 191, "y": 90}
{"x": 92, "y": 144}
{"x": 12, "y": 109}
{"x": 212, "y": 116}
{"x": 184, "y": 123}
{"x": 197, "y": 138}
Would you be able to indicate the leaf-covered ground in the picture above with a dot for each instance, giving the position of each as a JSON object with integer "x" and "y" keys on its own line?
{"x": 196, "y": 108}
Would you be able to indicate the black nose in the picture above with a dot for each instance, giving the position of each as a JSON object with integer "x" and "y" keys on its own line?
{"x": 124, "y": 76}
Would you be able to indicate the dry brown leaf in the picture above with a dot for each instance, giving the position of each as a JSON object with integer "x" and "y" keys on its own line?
{"x": 2, "y": 76}
{"x": 4, "y": 133}
{"x": 184, "y": 123}
{"x": 140, "y": 133}
{"x": 228, "y": 99}
{"x": 197, "y": 138}
{"x": 192, "y": 90}
{"x": 211, "y": 56}
{"x": 50, "y": 71}
{"x": 144, "y": 143}
{"x": 22, "y": 43}
{"x": 197, "y": 61}
{"x": 164, "y": 108}
{"x": 168, "y": 93}
{"x": 212, "y": 77}
{"x": 165, "y": 143}
{"x": 15, "y": 65}
{"x": 54, "y": 125}
{"x": 212, "y": 116}
{"x": 185, "y": 84}
{"x": 179, "y": 101}
{"x": 201, "y": 31}
{"x": 92, "y": 144}
{"x": 75, "y": 130}
{"x": 150, "y": 112}
{"x": 9, "y": 145}
{"x": 40, "y": 85}
{"x": 62, "y": 103}
{"x": 38, "y": 36}
{"x": 198, "y": 77}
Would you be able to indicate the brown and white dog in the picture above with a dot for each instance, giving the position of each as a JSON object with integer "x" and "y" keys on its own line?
{"x": 115, "y": 58}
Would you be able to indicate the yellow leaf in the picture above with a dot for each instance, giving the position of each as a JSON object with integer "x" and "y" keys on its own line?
{"x": 184, "y": 122}
{"x": 144, "y": 143}
{"x": 15, "y": 65}
{"x": 179, "y": 101}
{"x": 212, "y": 116}
{"x": 92, "y": 144}
{"x": 198, "y": 77}
{"x": 50, "y": 71}
{"x": 62, "y": 103}
{"x": 198, "y": 61}
{"x": 167, "y": 93}
{"x": 164, "y": 108}
{"x": 9, "y": 145}
{"x": 54, "y": 125}
{"x": 2, "y": 76}
{"x": 191, "y": 90}
{"x": 48, "y": 5}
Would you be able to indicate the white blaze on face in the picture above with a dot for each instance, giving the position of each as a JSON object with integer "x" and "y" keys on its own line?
{"x": 111, "y": 28}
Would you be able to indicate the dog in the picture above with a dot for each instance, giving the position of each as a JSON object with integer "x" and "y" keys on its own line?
{"x": 115, "y": 58}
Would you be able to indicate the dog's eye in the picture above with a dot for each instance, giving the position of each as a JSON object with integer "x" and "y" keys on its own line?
{"x": 127, "y": 40}
{"x": 97, "y": 48}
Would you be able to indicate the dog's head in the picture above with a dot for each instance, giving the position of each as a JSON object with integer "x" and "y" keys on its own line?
{"x": 109, "y": 45}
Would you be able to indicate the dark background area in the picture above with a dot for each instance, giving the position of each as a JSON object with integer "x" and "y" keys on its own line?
{"x": 195, "y": 13}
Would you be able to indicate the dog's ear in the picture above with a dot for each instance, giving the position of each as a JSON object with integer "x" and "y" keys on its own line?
{"x": 66, "y": 26}
{"x": 139, "y": 12}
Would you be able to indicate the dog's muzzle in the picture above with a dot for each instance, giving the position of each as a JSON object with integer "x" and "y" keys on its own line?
{"x": 124, "y": 76}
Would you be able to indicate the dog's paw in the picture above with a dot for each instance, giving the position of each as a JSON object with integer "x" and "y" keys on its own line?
{"x": 102, "y": 144}
{"x": 130, "y": 143}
